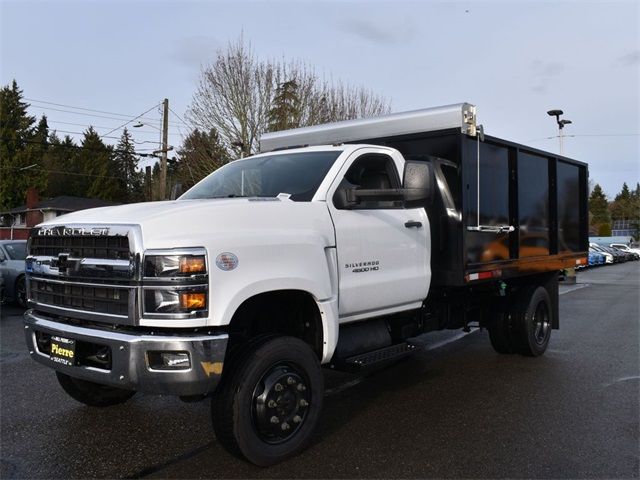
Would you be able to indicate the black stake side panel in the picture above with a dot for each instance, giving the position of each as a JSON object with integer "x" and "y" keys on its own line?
{"x": 543, "y": 195}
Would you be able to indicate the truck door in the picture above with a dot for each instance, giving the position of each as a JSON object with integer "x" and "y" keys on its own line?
{"x": 383, "y": 249}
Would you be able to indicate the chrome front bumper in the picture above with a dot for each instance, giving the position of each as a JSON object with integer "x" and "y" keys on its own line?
{"x": 129, "y": 357}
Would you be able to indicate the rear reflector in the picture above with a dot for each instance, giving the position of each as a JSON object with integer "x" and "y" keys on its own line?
{"x": 482, "y": 275}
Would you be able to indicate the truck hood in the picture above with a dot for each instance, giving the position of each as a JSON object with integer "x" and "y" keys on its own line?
{"x": 172, "y": 223}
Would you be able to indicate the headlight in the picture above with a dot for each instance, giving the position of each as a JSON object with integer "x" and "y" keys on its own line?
{"x": 175, "y": 283}
{"x": 174, "y": 265}
{"x": 174, "y": 301}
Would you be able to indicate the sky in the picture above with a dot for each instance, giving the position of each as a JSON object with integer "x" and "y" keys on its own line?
{"x": 514, "y": 60}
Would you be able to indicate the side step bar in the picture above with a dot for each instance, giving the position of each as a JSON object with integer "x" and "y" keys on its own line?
{"x": 381, "y": 356}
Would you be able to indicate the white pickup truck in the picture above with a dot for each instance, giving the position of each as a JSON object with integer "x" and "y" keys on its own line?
{"x": 341, "y": 252}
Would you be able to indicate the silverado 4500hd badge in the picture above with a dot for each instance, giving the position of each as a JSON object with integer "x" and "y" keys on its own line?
{"x": 361, "y": 267}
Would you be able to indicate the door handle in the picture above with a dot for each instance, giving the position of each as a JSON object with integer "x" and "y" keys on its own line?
{"x": 413, "y": 223}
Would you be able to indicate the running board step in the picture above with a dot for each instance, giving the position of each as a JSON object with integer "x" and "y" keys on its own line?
{"x": 381, "y": 356}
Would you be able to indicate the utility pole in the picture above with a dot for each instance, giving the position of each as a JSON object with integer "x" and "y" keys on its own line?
{"x": 165, "y": 149}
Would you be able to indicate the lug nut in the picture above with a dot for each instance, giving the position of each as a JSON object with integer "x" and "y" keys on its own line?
{"x": 285, "y": 426}
{"x": 290, "y": 381}
{"x": 301, "y": 387}
{"x": 272, "y": 404}
{"x": 278, "y": 387}
{"x": 297, "y": 419}
{"x": 275, "y": 419}
{"x": 303, "y": 402}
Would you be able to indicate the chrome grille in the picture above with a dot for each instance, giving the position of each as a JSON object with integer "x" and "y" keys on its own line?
{"x": 87, "y": 272}
{"x": 92, "y": 298}
{"x": 105, "y": 247}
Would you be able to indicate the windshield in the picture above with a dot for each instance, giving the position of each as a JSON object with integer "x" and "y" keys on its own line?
{"x": 16, "y": 251}
{"x": 298, "y": 174}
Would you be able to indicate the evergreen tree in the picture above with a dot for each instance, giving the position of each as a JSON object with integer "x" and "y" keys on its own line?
{"x": 599, "y": 206}
{"x": 201, "y": 154}
{"x": 66, "y": 177}
{"x": 20, "y": 151}
{"x": 129, "y": 179}
{"x": 622, "y": 207}
{"x": 97, "y": 170}
{"x": 286, "y": 110}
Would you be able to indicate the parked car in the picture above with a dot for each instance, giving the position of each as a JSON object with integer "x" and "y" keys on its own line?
{"x": 608, "y": 257}
{"x": 618, "y": 256}
{"x": 596, "y": 258}
{"x": 12, "y": 256}
{"x": 635, "y": 252}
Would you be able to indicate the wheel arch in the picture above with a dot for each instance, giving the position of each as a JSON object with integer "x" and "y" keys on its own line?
{"x": 291, "y": 312}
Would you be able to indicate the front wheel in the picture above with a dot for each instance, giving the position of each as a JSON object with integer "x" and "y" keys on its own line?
{"x": 93, "y": 394}
{"x": 269, "y": 402}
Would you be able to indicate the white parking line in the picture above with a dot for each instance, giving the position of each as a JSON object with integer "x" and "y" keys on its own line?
{"x": 578, "y": 286}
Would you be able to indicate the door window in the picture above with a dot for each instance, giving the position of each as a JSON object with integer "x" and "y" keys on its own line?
{"x": 372, "y": 171}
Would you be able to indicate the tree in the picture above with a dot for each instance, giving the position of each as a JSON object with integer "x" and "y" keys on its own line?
{"x": 129, "y": 181}
{"x": 96, "y": 169}
{"x": 236, "y": 95}
{"x": 60, "y": 163}
{"x": 622, "y": 206}
{"x": 201, "y": 153}
{"x": 599, "y": 206}
{"x": 20, "y": 148}
{"x": 286, "y": 110}
{"x": 604, "y": 230}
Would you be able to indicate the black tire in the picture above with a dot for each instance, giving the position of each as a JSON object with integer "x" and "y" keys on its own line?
{"x": 532, "y": 321}
{"x": 93, "y": 394}
{"x": 501, "y": 333}
{"x": 282, "y": 370}
{"x": 21, "y": 291}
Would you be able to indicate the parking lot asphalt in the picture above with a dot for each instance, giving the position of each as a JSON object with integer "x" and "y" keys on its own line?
{"x": 455, "y": 410}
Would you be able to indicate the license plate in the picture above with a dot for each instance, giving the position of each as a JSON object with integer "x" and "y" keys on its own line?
{"x": 63, "y": 350}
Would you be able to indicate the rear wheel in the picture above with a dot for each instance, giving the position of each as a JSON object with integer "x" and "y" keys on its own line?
{"x": 269, "y": 402}
{"x": 501, "y": 333}
{"x": 533, "y": 322}
{"x": 93, "y": 394}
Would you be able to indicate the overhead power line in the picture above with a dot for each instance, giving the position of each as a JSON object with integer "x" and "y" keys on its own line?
{"x": 87, "y": 125}
{"x": 88, "y": 109}
{"x": 62, "y": 145}
{"x": 132, "y": 120}
{"x": 155, "y": 142}
{"x": 109, "y": 117}
{"x": 587, "y": 135}
{"x": 178, "y": 116}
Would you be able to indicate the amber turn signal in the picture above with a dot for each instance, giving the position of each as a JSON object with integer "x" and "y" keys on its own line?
{"x": 194, "y": 301}
{"x": 193, "y": 264}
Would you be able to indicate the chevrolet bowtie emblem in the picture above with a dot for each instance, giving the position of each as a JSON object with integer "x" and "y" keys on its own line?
{"x": 63, "y": 262}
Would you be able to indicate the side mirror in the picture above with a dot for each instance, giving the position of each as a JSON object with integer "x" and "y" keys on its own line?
{"x": 351, "y": 197}
{"x": 419, "y": 182}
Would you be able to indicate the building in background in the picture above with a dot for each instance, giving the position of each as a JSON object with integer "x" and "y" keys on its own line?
{"x": 17, "y": 222}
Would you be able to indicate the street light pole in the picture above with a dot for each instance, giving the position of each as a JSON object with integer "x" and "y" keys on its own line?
{"x": 561, "y": 124}
{"x": 165, "y": 149}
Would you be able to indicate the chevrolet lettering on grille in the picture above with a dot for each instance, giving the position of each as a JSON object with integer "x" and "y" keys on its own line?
{"x": 76, "y": 231}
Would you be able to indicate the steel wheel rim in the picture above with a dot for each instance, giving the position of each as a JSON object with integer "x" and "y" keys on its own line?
{"x": 541, "y": 323}
{"x": 280, "y": 403}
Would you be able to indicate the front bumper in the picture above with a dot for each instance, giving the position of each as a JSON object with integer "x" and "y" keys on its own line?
{"x": 129, "y": 367}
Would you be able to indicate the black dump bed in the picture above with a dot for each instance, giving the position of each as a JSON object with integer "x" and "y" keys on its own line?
{"x": 542, "y": 195}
